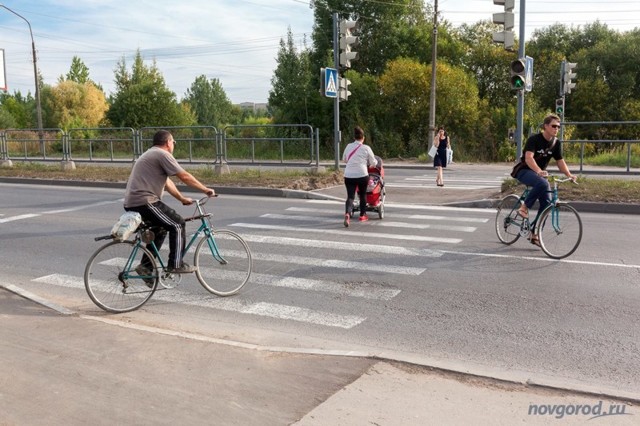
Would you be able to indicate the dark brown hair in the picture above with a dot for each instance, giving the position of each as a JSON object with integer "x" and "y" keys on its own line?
{"x": 161, "y": 137}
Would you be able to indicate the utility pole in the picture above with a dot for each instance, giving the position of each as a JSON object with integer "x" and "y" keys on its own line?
{"x": 520, "y": 112}
{"x": 35, "y": 72}
{"x": 434, "y": 56}
{"x": 336, "y": 101}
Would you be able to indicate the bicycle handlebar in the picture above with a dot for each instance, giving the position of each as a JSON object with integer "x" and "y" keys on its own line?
{"x": 204, "y": 199}
{"x": 561, "y": 180}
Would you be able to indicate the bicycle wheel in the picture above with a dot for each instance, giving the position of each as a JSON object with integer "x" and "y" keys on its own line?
{"x": 223, "y": 262}
{"x": 111, "y": 280}
{"x": 507, "y": 220}
{"x": 559, "y": 231}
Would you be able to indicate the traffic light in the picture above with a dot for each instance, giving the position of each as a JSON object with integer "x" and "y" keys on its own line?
{"x": 560, "y": 106}
{"x": 506, "y": 19}
{"x": 518, "y": 74}
{"x": 347, "y": 40}
{"x": 344, "y": 92}
{"x": 567, "y": 75}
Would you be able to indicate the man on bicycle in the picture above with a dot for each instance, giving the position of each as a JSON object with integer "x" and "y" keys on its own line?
{"x": 145, "y": 187}
{"x": 537, "y": 153}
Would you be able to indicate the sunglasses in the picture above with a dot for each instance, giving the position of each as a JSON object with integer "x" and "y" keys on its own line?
{"x": 555, "y": 126}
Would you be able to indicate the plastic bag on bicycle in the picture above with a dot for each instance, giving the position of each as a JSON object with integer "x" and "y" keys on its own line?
{"x": 126, "y": 226}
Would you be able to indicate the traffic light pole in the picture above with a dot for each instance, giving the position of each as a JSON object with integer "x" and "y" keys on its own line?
{"x": 336, "y": 101}
{"x": 520, "y": 111}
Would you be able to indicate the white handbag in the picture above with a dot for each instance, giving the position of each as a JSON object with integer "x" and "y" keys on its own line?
{"x": 433, "y": 151}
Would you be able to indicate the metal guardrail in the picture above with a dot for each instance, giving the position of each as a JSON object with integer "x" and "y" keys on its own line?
{"x": 33, "y": 144}
{"x": 89, "y": 143}
{"x": 202, "y": 143}
{"x": 583, "y": 142}
{"x": 284, "y": 144}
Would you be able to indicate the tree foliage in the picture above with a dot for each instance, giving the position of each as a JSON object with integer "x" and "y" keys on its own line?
{"x": 72, "y": 104}
{"x": 142, "y": 98}
{"x": 209, "y": 102}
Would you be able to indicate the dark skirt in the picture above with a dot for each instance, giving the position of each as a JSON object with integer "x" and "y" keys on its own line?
{"x": 441, "y": 158}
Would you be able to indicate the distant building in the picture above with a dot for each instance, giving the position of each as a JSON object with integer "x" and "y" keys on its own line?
{"x": 254, "y": 107}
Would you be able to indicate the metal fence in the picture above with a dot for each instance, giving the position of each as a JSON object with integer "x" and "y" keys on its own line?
{"x": 287, "y": 144}
{"x": 290, "y": 144}
{"x": 33, "y": 144}
{"x": 596, "y": 129}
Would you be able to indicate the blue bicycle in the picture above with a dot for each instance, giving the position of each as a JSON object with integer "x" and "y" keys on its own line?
{"x": 558, "y": 228}
{"x": 121, "y": 276}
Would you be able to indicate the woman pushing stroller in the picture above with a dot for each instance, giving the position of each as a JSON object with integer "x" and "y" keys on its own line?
{"x": 357, "y": 157}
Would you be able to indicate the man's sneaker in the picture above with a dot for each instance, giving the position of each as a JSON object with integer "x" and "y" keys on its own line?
{"x": 347, "y": 218}
{"x": 364, "y": 218}
{"x": 143, "y": 271}
{"x": 183, "y": 269}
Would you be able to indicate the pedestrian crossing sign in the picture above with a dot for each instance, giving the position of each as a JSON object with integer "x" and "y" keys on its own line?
{"x": 330, "y": 82}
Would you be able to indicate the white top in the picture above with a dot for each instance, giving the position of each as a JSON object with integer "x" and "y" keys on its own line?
{"x": 357, "y": 164}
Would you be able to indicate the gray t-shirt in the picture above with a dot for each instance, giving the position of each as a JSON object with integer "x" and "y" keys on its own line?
{"x": 149, "y": 177}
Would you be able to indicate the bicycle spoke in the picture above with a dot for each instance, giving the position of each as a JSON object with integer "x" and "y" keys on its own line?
{"x": 111, "y": 280}
{"x": 224, "y": 263}
{"x": 560, "y": 231}
{"x": 508, "y": 222}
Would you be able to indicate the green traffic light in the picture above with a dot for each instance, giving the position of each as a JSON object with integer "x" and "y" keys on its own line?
{"x": 559, "y": 110}
{"x": 517, "y": 82}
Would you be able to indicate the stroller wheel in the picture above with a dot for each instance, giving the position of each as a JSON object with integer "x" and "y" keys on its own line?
{"x": 381, "y": 210}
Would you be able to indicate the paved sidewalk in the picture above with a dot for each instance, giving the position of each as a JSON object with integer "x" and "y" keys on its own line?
{"x": 60, "y": 368}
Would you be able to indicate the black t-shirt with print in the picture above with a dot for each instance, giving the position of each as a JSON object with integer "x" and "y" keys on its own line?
{"x": 541, "y": 150}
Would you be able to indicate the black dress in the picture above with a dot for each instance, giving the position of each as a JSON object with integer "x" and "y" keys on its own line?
{"x": 441, "y": 156}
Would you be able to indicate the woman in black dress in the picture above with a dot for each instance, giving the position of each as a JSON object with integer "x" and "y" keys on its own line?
{"x": 441, "y": 142}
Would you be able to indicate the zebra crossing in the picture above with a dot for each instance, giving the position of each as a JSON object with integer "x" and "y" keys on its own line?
{"x": 452, "y": 181}
{"x": 305, "y": 248}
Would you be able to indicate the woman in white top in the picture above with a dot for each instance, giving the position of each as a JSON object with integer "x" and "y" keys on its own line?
{"x": 358, "y": 157}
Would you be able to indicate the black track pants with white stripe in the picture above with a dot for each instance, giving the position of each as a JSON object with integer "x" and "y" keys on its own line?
{"x": 159, "y": 214}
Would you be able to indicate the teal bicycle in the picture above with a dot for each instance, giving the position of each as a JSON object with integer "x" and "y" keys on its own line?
{"x": 117, "y": 282}
{"x": 558, "y": 228}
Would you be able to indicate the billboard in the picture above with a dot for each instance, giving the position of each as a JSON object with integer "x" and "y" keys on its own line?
{"x": 3, "y": 72}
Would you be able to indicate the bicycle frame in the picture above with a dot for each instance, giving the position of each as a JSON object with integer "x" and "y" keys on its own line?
{"x": 204, "y": 228}
{"x": 553, "y": 203}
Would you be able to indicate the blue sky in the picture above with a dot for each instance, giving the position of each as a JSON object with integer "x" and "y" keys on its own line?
{"x": 235, "y": 41}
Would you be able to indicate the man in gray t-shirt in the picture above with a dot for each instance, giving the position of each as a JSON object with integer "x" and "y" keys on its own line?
{"x": 145, "y": 187}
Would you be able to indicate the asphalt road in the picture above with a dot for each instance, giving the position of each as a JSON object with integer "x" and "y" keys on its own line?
{"x": 427, "y": 283}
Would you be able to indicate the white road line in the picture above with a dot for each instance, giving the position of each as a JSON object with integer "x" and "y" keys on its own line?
{"x": 397, "y": 215}
{"x": 335, "y": 245}
{"x": 19, "y": 217}
{"x": 316, "y": 219}
{"x": 349, "y": 233}
{"x": 452, "y": 228}
{"x": 271, "y": 310}
{"x": 448, "y": 186}
{"x": 71, "y": 209}
{"x": 497, "y": 181}
{"x": 415, "y": 207}
{"x": 336, "y": 263}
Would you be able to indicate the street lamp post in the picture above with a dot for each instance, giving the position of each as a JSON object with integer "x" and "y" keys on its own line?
{"x": 35, "y": 72}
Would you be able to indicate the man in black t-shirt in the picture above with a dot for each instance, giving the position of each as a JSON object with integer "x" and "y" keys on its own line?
{"x": 538, "y": 151}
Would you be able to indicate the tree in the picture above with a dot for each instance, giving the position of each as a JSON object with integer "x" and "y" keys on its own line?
{"x": 405, "y": 88}
{"x": 72, "y": 104}
{"x": 142, "y": 99}
{"x": 19, "y": 108}
{"x": 209, "y": 102}
{"x": 290, "y": 93}
{"x": 78, "y": 72}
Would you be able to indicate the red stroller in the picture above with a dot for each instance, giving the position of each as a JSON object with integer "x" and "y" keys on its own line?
{"x": 375, "y": 190}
